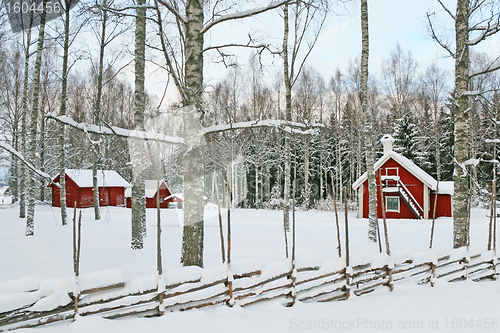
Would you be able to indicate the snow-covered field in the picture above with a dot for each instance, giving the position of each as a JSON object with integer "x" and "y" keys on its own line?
{"x": 4, "y": 199}
{"x": 256, "y": 234}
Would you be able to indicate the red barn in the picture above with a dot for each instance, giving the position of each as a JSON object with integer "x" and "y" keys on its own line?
{"x": 79, "y": 188}
{"x": 408, "y": 190}
{"x": 151, "y": 191}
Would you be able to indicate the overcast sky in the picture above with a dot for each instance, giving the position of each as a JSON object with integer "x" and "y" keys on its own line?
{"x": 390, "y": 22}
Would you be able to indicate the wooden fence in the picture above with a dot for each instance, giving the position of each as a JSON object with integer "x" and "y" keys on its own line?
{"x": 30, "y": 302}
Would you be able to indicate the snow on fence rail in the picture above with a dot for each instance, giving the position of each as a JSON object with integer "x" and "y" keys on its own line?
{"x": 30, "y": 301}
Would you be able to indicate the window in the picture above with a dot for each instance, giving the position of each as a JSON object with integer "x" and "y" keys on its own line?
{"x": 392, "y": 204}
{"x": 393, "y": 171}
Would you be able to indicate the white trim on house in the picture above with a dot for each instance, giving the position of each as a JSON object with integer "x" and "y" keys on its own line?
{"x": 360, "y": 203}
{"x": 392, "y": 168}
{"x": 427, "y": 197}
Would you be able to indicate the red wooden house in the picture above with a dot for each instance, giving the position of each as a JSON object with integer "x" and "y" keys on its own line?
{"x": 408, "y": 190}
{"x": 79, "y": 188}
{"x": 151, "y": 192}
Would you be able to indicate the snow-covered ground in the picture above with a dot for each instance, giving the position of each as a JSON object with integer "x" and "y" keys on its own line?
{"x": 4, "y": 198}
{"x": 256, "y": 234}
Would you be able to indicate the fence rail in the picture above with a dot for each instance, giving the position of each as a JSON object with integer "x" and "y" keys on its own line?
{"x": 108, "y": 293}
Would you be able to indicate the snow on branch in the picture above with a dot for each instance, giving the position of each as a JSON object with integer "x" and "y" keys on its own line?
{"x": 473, "y": 161}
{"x": 245, "y": 13}
{"x": 287, "y": 126}
{"x": 492, "y": 141}
{"x": 113, "y": 130}
{"x": 462, "y": 166}
{"x": 472, "y": 93}
{"x": 488, "y": 69}
{"x": 486, "y": 31}
{"x": 42, "y": 174}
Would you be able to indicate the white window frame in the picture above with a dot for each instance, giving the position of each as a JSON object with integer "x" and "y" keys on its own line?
{"x": 392, "y": 168}
{"x": 392, "y": 210}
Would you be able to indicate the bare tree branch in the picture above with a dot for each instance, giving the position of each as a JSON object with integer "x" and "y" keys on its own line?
{"x": 447, "y": 10}
{"x": 246, "y": 13}
{"x": 174, "y": 11}
{"x": 495, "y": 65}
{"x": 437, "y": 39}
{"x": 174, "y": 72}
{"x": 259, "y": 46}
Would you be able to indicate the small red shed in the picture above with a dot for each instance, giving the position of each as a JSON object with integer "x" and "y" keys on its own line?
{"x": 79, "y": 188}
{"x": 151, "y": 191}
{"x": 408, "y": 190}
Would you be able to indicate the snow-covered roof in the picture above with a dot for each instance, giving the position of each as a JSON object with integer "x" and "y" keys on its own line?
{"x": 415, "y": 170}
{"x": 447, "y": 187}
{"x": 150, "y": 186}
{"x": 105, "y": 178}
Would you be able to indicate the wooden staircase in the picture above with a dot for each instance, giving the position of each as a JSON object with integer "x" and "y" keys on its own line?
{"x": 404, "y": 193}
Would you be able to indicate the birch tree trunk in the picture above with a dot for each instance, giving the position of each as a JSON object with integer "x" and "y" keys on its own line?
{"x": 24, "y": 121}
{"x": 30, "y": 218}
{"x": 460, "y": 232}
{"x": 41, "y": 142}
{"x": 193, "y": 231}
{"x": 288, "y": 114}
{"x": 138, "y": 190}
{"x": 192, "y": 31}
{"x": 97, "y": 110}
{"x": 372, "y": 186}
{"x": 321, "y": 171}
{"x": 307, "y": 188}
{"x": 62, "y": 112}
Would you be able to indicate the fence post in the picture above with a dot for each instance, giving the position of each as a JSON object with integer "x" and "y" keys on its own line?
{"x": 159, "y": 264}
{"x": 433, "y": 274}
{"x": 294, "y": 271}
{"x": 495, "y": 231}
{"x": 221, "y": 233}
{"x": 386, "y": 234}
{"x": 336, "y": 217}
{"x": 230, "y": 274}
{"x": 284, "y": 229}
{"x": 347, "y": 267}
{"x": 76, "y": 256}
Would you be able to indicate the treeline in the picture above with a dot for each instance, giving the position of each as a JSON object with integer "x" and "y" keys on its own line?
{"x": 117, "y": 109}
{"x": 412, "y": 104}
{"x": 409, "y": 102}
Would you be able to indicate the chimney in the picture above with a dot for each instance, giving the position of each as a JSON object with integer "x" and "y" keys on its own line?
{"x": 387, "y": 141}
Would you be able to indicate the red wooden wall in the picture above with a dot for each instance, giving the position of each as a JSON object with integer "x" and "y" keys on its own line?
{"x": 151, "y": 202}
{"x": 84, "y": 197}
{"x": 443, "y": 205}
{"x": 416, "y": 188}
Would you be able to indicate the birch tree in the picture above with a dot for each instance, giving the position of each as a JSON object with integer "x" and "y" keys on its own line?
{"x": 187, "y": 72}
{"x": 304, "y": 14}
{"x": 30, "y": 223}
{"x": 434, "y": 88}
{"x": 24, "y": 117}
{"x": 11, "y": 94}
{"x": 62, "y": 109}
{"x": 368, "y": 128}
{"x": 138, "y": 190}
{"x": 474, "y": 21}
